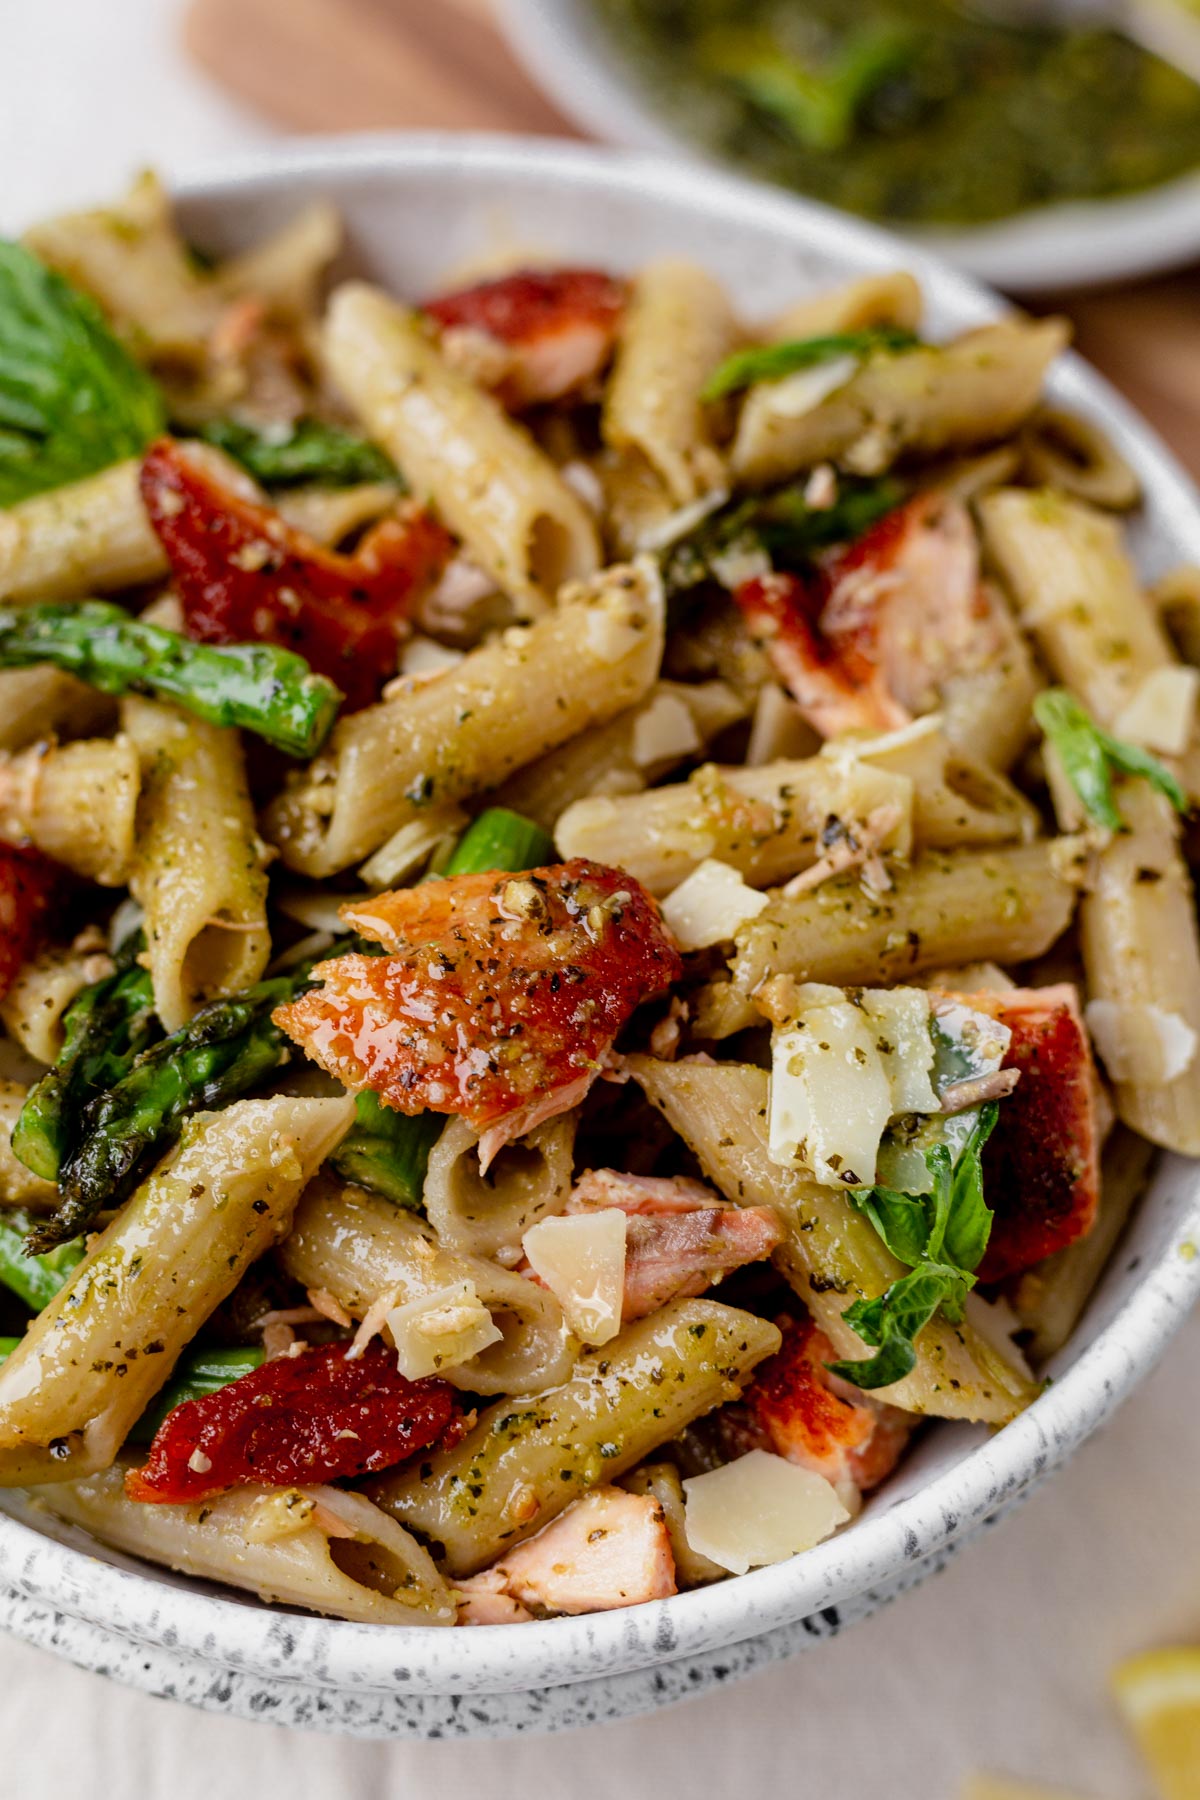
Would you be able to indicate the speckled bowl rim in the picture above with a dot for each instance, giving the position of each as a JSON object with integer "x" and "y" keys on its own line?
{"x": 245, "y": 1636}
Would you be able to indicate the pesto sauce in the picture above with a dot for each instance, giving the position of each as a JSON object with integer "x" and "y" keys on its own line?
{"x": 915, "y": 111}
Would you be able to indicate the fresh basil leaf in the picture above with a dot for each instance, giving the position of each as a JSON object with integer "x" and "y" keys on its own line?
{"x": 782, "y": 524}
{"x": 900, "y": 1219}
{"x": 815, "y": 103}
{"x": 771, "y": 362}
{"x": 310, "y": 451}
{"x": 939, "y": 1199}
{"x": 790, "y": 530}
{"x": 72, "y": 399}
{"x": 891, "y": 1323}
{"x": 1090, "y": 755}
{"x": 969, "y": 1225}
{"x": 1132, "y": 760}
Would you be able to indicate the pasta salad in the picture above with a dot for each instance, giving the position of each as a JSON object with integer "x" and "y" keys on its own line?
{"x": 595, "y": 920}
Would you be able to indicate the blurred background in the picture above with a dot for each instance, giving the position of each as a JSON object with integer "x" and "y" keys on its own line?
{"x": 1003, "y": 1661}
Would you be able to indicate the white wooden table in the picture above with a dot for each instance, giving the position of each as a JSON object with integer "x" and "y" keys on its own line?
{"x": 1000, "y": 1662}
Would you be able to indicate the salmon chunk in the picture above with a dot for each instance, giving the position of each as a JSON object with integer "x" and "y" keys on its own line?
{"x": 680, "y": 1237}
{"x": 535, "y": 336}
{"x": 812, "y": 1418}
{"x": 1041, "y": 1166}
{"x": 498, "y": 997}
{"x": 609, "y": 1549}
{"x": 864, "y": 642}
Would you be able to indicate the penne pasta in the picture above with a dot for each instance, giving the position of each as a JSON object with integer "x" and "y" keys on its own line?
{"x": 1077, "y": 594}
{"x": 360, "y": 1248}
{"x": 486, "y": 477}
{"x": 88, "y": 1365}
{"x": 32, "y": 1009}
{"x": 522, "y": 1465}
{"x": 1141, "y": 952}
{"x": 957, "y": 801}
{"x": 923, "y": 401}
{"x": 527, "y": 1181}
{"x": 77, "y": 803}
{"x": 873, "y": 300}
{"x": 678, "y": 326}
{"x": 801, "y": 711}
{"x": 676, "y": 721}
{"x": 132, "y": 260}
{"x": 832, "y": 1254}
{"x": 37, "y": 702}
{"x": 198, "y": 869}
{"x": 321, "y": 1547}
{"x": 1066, "y": 451}
{"x": 1004, "y": 905}
{"x": 506, "y": 703}
{"x": 92, "y": 536}
{"x": 765, "y": 822}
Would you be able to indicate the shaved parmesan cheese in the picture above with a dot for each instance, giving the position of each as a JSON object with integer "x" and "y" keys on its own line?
{"x": 585, "y": 484}
{"x": 1140, "y": 1043}
{"x": 831, "y": 1099}
{"x": 581, "y": 1259}
{"x": 780, "y": 731}
{"x": 1162, "y": 714}
{"x": 743, "y": 561}
{"x": 982, "y": 1041}
{"x": 801, "y": 393}
{"x": 758, "y": 1510}
{"x": 412, "y": 846}
{"x": 905, "y": 1046}
{"x": 318, "y": 910}
{"x": 667, "y": 531}
{"x": 971, "y": 978}
{"x": 438, "y": 1332}
{"x": 663, "y": 730}
{"x": 424, "y": 657}
{"x": 996, "y": 1322}
{"x": 847, "y": 750}
{"x": 710, "y": 906}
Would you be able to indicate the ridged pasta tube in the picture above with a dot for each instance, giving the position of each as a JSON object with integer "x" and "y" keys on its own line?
{"x": 358, "y": 1246}
{"x": 198, "y": 871}
{"x": 490, "y": 483}
{"x": 832, "y": 1255}
{"x": 505, "y": 703}
{"x": 1001, "y": 905}
{"x": 77, "y": 803}
{"x": 322, "y": 1547}
{"x": 90, "y": 1362}
{"x": 525, "y": 1182}
{"x": 934, "y": 398}
{"x": 523, "y": 1463}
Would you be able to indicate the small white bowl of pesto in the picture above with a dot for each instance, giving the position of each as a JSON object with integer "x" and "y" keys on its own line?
{"x": 1035, "y": 159}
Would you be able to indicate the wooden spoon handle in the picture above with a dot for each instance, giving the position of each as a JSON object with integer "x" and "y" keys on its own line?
{"x": 344, "y": 65}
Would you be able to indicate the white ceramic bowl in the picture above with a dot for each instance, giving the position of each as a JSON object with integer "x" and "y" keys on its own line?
{"x": 416, "y": 207}
{"x": 565, "y": 47}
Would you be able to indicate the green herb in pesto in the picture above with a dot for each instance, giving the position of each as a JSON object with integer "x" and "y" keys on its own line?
{"x": 921, "y": 111}
{"x": 941, "y": 1236}
{"x": 72, "y": 399}
{"x": 1090, "y": 758}
{"x": 771, "y": 362}
{"x": 783, "y": 524}
{"x": 309, "y": 451}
